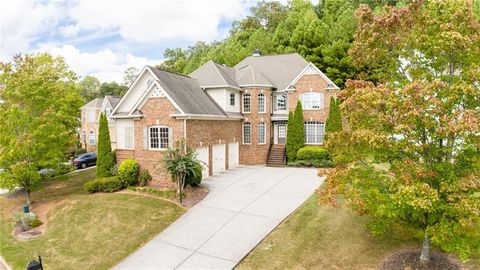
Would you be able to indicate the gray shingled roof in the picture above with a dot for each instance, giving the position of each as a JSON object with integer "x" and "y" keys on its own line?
{"x": 213, "y": 74}
{"x": 187, "y": 93}
{"x": 280, "y": 69}
{"x": 113, "y": 100}
{"x": 248, "y": 76}
{"x": 95, "y": 103}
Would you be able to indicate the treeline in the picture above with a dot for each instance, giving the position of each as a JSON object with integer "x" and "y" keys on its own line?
{"x": 321, "y": 33}
{"x": 90, "y": 87}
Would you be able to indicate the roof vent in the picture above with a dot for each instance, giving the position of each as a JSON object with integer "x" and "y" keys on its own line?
{"x": 256, "y": 53}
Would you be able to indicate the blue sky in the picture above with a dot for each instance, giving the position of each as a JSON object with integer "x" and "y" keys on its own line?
{"x": 104, "y": 37}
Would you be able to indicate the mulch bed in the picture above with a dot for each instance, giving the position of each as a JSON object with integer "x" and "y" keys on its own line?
{"x": 410, "y": 260}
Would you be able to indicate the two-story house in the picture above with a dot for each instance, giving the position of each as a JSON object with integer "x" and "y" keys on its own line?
{"x": 90, "y": 116}
{"x": 229, "y": 115}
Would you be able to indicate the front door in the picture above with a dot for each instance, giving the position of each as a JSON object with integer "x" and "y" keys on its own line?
{"x": 281, "y": 133}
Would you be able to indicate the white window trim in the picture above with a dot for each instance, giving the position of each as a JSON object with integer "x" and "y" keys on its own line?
{"x": 264, "y": 133}
{"x": 315, "y": 130}
{"x": 264, "y": 103}
{"x": 275, "y": 104}
{"x": 312, "y": 109}
{"x": 91, "y": 116}
{"x": 125, "y": 138}
{"x": 90, "y": 138}
{"x": 243, "y": 133}
{"x": 234, "y": 99}
{"x": 249, "y": 103}
{"x": 149, "y": 141}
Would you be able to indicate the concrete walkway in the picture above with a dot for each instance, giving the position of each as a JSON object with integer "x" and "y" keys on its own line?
{"x": 243, "y": 206}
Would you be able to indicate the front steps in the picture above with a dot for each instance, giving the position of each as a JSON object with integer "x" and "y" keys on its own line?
{"x": 276, "y": 156}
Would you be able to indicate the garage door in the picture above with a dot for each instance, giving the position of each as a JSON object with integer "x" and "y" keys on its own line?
{"x": 202, "y": 156}
{"x": 218, "y": 158}
{"x": 232, "y": 155}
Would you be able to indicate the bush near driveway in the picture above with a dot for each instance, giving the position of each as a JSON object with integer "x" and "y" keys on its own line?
{"x": 128, "y": 172}
{"x": 312, "y": 153}
{"x": 107, "y": 184}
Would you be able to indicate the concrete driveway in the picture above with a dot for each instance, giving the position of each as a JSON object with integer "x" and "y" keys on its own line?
{"x": 243, "y": 206}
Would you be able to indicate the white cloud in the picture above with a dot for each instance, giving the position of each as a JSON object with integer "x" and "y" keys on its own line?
{"x": 106, "y": 64}
{"x": 23, "y": 20}
{"x": 152, "y": 21}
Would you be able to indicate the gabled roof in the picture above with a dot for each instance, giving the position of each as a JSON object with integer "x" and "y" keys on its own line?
{"x": 187, "y": 93}
{"x": 280, "y": 69}
{"x": 95, "y": 103}
{"x": 212, "y": 74}
{"x": 113, "y": 100}
{"x": 250, "y": 76}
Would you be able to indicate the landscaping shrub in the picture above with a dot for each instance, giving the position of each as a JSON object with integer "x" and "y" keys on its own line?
{"x": 128, "y": 172}
{"x": 334, "y": 120}
{"x": 80, "y": 151}
{"x": 312, "y": 153}
{"x": 194, "y": 180}
{"x": 144, "y": 178}
{"x": 34, "y": 223}
{"x": 105, "y": 160}
{"x": 108, "y": 184}
{"x": 325, "y": 163}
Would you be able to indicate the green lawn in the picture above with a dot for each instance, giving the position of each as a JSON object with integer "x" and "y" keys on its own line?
{"x": 320, "y": 237}
{"x": 85, "y": 231}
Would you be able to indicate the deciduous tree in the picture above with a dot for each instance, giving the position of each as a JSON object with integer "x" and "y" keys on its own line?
{"x": 39, "y": 112}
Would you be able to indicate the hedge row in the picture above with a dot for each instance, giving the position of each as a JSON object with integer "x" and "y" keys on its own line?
{"x": 107, "y": 184}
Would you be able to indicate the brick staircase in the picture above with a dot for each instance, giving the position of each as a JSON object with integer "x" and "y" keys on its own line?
{"x": 276, "y": 156}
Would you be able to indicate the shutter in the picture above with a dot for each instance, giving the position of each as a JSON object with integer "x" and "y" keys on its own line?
{"x": 170, "y": 137}
{"x": 145, "y": 138}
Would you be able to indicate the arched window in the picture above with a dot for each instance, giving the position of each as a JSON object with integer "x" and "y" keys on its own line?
{"x": 261, "y": 103}
{"x": 246, "y": 103}
{"x": 247, "y": 136}
{"x": 261, "y": 132}
{"x": 314, "y": 132}
{"x": 312, "y": 100}
{"x": 91, "y": 137}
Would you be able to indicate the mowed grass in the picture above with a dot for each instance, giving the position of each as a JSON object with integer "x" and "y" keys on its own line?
{"x": 84, "y": 231}
{"x": 321, "y": 237}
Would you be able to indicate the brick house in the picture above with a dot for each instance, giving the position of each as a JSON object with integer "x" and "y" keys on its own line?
{"x": 90, "y": 117}
{"x": 229, "y": 115}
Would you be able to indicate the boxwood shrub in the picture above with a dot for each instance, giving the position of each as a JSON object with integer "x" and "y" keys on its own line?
{"x": 107, "y": 184}
{"x": 312, "y": 153}
{"x": 144, "y": 178}
{"x": 128, "y": 172}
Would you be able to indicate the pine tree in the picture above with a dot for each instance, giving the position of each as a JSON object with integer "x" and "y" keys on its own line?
{"x": 299, "y": 135}
{"x": 105, "y": 160}
{"x": 334, "y": 121}
{"x": 290, "y": 137}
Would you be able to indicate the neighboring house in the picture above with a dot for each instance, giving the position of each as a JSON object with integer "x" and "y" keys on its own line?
{"x": 90, "y": 117}
{"x": 230, "y": 116}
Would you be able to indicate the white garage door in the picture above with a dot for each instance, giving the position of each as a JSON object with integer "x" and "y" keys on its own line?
{"x": 218, "y": 158}
{"x": 232, "y": 155}
{"x": 202, "y": 156}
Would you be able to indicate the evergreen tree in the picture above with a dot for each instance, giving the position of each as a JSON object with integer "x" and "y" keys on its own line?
{"x": 299, "y": 129}
{"x": 291, "y": 154}
{"x": 334, "y": 121}
{"x": 105, "y": 160}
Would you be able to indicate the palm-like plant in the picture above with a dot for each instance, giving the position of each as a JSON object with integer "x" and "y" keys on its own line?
{"x": 178, "y": 162}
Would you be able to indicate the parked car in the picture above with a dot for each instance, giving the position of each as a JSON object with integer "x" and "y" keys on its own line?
{"x": 85, "y": 160}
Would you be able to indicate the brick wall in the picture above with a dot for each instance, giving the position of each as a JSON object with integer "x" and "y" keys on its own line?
{"x": 254, "y": 153}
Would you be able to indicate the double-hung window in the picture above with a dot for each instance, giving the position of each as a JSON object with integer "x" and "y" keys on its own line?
{"x": 261, "y": 103}
{"x": 247, "y": 136}
{"x": 158, "y": 137}
{"x": 91, "y": 137}
{"x": 232, "y": 99}
{"x": 312, "y": 100}
{"x": 246, "y": 103}
{"x": 261, "y": 133}
{"x": 91, "y": 116}
{"x": 280, "y": 103}
{"x": 314, "y": 132}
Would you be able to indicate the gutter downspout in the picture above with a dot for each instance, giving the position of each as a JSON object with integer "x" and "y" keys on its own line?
{"x": 185, "y": 132}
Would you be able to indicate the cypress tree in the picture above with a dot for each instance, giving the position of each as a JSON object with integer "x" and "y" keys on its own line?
{"x": 299, "y": 127}
{"x": 105, "y": 160}
{"x": 291, "y": 155}
{"x": 334, "y": 121}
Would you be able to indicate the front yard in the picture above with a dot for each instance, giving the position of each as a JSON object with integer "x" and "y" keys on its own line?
{"x": 84, "y": 231}
{"x": 321, "y": 237}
